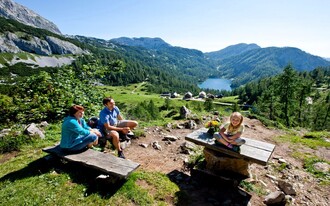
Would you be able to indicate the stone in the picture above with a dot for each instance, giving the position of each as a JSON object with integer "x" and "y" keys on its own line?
{"x": 220, "y": 163}
{"x": 184, "y": 112}
{"x": 274, "y": 198}
{"x": 191, "y": 124}
{"x": 156, "y": 145}
{"x": 286, "y": 187}
{"x": 322, "y": 167}
{"x": 170, "y": 138}
{"x": 33, "y": 130}
{"x": 188, "y": 147}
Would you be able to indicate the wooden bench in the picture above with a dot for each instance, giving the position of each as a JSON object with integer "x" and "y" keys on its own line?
{"x": 252, "y": 151}
{"x": 107, "y": 163}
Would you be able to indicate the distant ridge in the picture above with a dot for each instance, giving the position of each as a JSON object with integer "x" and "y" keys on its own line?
{"x": 231, "y": 51}
{"x": 12, "y": 10}
{"x": 145, "y": 42}
{"x": 263, "y": 62}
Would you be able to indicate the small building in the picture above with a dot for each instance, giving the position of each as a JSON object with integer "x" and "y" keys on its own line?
{"x": 187, "y": 95}
{"x": 202, "y": 95}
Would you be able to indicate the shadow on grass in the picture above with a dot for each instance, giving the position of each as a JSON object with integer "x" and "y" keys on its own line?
{"x": 79, "y": 174}
{"x": 205, "y": 189}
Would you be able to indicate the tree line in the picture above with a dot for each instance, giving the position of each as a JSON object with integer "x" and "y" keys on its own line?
{"x": 292, "y": 99}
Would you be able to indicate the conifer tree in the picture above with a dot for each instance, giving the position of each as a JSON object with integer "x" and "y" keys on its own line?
{"x": 286, "y": 88}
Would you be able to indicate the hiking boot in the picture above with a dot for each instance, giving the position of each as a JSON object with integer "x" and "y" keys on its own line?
{"x": 123, "y": 137}
{"x": 121, "y": 154}
{"x": 130, "y": 134}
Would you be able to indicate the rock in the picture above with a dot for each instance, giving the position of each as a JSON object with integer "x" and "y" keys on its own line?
{"x": 188, "y": 147}
{"x": 286, "y": 187}
{"x": 322, "y": 167}
{"x": 155, "y": 145}
{"x": 143, "y": 145}
{"x": 271, "y": 177}
{"x": 59, "y": 46}
{"x": 170, "y": 138}
{"x": 44, "y": 124}
{"x": 4, "y": 132}
{"x": 191, "y": 124}
{"x": 12, "y": 10}
{"x": 274, "y": 198}
{"x": 178, "y": 126}
{"x": 33, "y": 130}
{"x": 12, "y": 43}
{"x": 184, "y": 112}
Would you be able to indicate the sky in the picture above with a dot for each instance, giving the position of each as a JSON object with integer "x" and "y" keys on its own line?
{"x": 206, "y": 25}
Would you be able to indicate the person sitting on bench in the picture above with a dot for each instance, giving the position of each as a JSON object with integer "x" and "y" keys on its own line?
{"x": 231, "y": 132}
{"x": 76, "y": 134}
{"x": 111, "y": 123}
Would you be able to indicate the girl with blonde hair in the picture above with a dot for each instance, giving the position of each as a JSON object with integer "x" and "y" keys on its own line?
{"x": 230, "y": 132}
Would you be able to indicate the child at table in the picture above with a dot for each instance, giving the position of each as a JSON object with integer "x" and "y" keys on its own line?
{"x": 230, "y": 132}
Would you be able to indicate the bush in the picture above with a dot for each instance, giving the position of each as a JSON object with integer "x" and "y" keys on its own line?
{"x": 10, "y": 143}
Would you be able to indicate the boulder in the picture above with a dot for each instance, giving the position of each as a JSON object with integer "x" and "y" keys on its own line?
{"x": 184, "y": 112}
{"x": 33, "y": 130}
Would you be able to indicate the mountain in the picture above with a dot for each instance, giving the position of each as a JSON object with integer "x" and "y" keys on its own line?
{"x": 11, "y": 10}
{"x": 262, "y": 62}
{"x": 155, "y": 52}
{"x": 34, "y": 47}
{"x": 231, "y": 51}
{"x": 16, "y": 37}
{"x": 145, "y": 42}
{"x": 241, "y": 62}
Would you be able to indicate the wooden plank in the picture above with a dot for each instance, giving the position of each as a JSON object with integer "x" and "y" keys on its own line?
{"x": 106, "y": 163}
{"x": 253, "y": 150}
{"x": 259, "y": 144}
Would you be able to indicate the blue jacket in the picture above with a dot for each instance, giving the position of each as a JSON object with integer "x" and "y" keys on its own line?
{"x": 72, "y": 131}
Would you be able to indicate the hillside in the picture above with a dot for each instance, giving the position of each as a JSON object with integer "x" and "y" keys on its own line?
{"x": 148, "y": 43}
{"x": 231, "y": 51}
{"x": 242, "y": 62}
{"x": 257, "y": 63}
{"x": 170, "y": 160}
{"x": 168, "y": 166}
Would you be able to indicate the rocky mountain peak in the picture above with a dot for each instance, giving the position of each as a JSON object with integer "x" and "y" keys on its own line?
{"x": 12, "y": 10}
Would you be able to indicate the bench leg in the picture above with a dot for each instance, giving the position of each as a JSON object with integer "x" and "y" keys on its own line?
{"x": 223, "y": 163}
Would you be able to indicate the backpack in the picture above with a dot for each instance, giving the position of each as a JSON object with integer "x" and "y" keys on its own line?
{"x": 92, "y": 122}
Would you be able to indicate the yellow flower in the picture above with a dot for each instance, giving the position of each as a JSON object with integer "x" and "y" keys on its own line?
{"x": 212, "y": 123}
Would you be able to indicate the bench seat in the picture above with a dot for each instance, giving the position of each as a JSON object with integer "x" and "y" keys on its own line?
{"x": 253, "y": 150}
{"x": 107, "y": 163}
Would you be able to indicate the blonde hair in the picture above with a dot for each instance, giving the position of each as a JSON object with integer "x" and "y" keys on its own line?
{"x": 231, "y": 126}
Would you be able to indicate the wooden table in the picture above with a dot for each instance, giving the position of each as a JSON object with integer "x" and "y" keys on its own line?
{"x": 253, "y": 150}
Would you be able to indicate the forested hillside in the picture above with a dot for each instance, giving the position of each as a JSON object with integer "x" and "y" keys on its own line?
{"x": 231, "y": 51}
{"x": 253, "y": 64}
{"x": 292, "y": 99}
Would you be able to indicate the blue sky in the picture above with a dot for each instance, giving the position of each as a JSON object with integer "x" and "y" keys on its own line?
{"x": 206, "y": 25}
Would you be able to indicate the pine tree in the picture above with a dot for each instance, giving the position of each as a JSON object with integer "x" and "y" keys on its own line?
{"x": 286, "y": 88}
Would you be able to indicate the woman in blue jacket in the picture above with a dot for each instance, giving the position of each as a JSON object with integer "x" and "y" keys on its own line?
{"x": 76, "y": 134}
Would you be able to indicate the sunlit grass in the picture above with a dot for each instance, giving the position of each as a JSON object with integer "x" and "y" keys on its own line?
{"x": 312, "y": 142}
{"x": 309, "y": 160}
